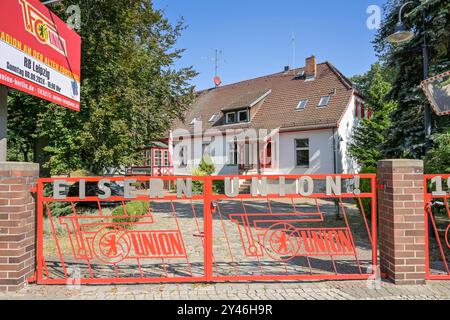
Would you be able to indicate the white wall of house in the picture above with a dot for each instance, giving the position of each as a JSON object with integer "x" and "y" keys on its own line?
{"x": 320, "y": 153}
{"x": 218, "y": 151}
{"x": 347, "y": 165}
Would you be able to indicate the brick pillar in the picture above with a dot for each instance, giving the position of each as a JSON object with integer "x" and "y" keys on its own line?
{"x": 17, "y": 224}
{"x": 401, "y": 220}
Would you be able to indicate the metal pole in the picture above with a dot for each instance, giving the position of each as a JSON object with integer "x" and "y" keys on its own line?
{"x": 3, "y": 122}
{"x": 425, "y": 76}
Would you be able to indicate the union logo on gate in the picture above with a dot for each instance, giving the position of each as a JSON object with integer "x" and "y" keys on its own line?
{"x": 265, "y": 234}
{"x": 112, "y": 243}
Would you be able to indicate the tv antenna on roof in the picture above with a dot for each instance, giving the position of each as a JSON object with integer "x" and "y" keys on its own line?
{"x": 293, "y": 50}
{"x": 217, "y": 59}
{"x": 217, "y": 79}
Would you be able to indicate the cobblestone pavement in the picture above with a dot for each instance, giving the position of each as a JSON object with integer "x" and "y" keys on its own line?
{"x": 328, "y": 290}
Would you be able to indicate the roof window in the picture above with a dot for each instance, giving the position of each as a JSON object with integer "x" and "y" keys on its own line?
{"x": 324, "y": 102}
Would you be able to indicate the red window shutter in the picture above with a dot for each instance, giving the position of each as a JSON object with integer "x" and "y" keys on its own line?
{"x": 362, "y": 111}
{"x": 356, "y": 108}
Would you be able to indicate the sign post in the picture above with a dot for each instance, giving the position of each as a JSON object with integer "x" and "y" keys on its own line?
{"x": 3, "y": 121}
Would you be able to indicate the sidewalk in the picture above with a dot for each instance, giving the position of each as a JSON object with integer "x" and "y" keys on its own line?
{"x": 328, "y": 290}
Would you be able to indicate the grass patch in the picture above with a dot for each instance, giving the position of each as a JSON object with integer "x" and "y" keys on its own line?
{"x": 132, "y": 212}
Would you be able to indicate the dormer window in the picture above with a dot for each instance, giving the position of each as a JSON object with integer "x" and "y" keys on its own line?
{"x": 302, "y": 104}
{"x": 237, "y": 117}
{"x": 324, "y": 102}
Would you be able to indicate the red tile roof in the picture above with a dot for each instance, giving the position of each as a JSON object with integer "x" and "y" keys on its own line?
{"x": 278, "y": 108}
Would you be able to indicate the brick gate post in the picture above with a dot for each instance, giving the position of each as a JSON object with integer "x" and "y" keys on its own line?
{"x": 17, "y": 224}
{"x": 401, "y": 220}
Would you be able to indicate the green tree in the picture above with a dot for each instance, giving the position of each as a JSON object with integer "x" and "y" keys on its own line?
{"x": 405, "y": 135}
{"x": 22, "y": 125}
{"x": 370, "y": 135}
{"x": 438, "y": 159}
{"x": 130, "y": 91}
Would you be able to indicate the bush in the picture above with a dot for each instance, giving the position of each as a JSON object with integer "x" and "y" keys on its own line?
{"x": 366, "y": 187}
{"x": 81, "y": 173}
{"x": 134, "y": 211}
{"x": 205, "y": 169}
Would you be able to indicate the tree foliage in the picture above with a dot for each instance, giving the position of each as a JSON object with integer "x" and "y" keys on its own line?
{"x": 370, "y": 135}
{"x": 438, "y": 160}
{"x": 430, "y": 18}
{"x": 130, "y": 89}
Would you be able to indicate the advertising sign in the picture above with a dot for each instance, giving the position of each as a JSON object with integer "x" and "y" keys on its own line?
{"x": 437, "y": 90}
{"x": 39, "y": 54}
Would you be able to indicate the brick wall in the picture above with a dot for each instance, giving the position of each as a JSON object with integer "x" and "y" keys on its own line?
{"x": 17, "y": 224}
{"x": 401, "y": 220}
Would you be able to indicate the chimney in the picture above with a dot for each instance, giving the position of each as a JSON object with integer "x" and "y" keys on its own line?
{"x": 310, "y": 67}
{"x": 287, "y": 69}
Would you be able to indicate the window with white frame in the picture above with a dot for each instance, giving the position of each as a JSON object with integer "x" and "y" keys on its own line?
{"x": 243, "y": 116}
{"x": 158, "y": 158}
{"x": 183, "y": 156}
{"x": 324, "y": 102}
{"x": 233, "y": 154}
{"x": 166, "y": 158}
{"x": 194, "y": 121}
{"x": 148, "y": 157}
{"x": 302, "y": 104}
{"x": 230, "y": 117}
{"x": 302, "y": 152}
{"x": 213, "y": 118}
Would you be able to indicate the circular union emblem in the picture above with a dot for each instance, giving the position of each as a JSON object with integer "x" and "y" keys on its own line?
{"x": 111, "y": 245}
{"x": 447, "y": 236}
{"x": 41, "y": 31}
{"x": 282, "y": 242}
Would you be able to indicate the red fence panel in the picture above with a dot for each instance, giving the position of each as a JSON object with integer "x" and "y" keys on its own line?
{"x": 273, "y": 235}
{"x": 150, "y": 238}
{"x": 437, "y": 226}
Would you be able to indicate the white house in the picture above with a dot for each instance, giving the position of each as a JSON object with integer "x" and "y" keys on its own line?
{"x": 293, "y": 122}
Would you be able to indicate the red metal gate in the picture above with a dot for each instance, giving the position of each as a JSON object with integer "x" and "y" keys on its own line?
{"x": 437, "y": 226}
{"x": 105, "y": 234}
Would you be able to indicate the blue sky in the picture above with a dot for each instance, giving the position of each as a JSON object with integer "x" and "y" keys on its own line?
{"x": 255, "y": 36}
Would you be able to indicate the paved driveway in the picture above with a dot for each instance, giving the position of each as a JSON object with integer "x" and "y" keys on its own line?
{"x": 340, "y": 290}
